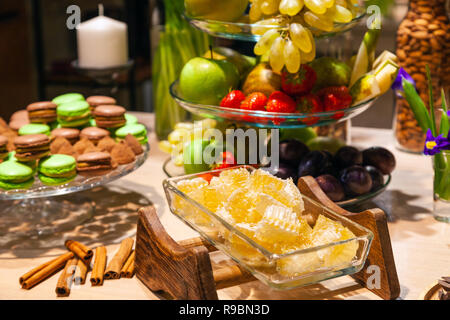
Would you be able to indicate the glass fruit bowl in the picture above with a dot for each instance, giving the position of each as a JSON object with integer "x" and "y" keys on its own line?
{"x": 246, "y": 31}
{"x": 282, "y": 271}
{"x": 173, "y": 170}
{"x": 263, "y": 119}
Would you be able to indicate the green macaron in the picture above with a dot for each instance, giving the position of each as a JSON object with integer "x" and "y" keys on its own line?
{"x": 67, "y": 98}
{"x": 130, "y": 119}
{"x": 73, "y": 114}
{"x": 137, "y": 130}
{"x": 34, "y": 128}
{"x": 15, "y": 175}
{"x": 92, "y": 122}
{"x": 57, "y": 169}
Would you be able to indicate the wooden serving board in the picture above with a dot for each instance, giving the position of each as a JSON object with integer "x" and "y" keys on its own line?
{"x": 184, "y": 269}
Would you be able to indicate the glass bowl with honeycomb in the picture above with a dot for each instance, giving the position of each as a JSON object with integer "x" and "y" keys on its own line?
{"x": 264, "y": 223}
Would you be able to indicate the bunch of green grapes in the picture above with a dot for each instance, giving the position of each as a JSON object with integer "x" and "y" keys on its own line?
{"x": 183, "y": 133}
{"x": 292, "y": 43}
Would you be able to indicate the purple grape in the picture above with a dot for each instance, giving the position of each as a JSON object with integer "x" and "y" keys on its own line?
{"x": 356, "y": 180}
{"x": 285, "y": 171}
{"x": 292, "y": 152}
{"x": 315, "y": 164}
{"x": 331, "y": 186}
{"x": 380, "y": 158}
{"x": 347, "y": 156}
{"x": 377, "y": 178}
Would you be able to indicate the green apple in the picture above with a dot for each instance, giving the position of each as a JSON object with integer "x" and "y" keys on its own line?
{"x": 330, "y": 72}
{"x": 243, "y": 63}
{"x": 221, "y": 10}
{"x": 207, "y": 81}
{"x": 301, "y": 134}
{"x": 193, "y": 156}
{"x": 325, "y": 143}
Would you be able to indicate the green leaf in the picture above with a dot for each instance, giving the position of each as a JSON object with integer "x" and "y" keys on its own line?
{"x": 417, "y": 106}
{"x": 445, "y": 122}
{"x": 431, "y": 102}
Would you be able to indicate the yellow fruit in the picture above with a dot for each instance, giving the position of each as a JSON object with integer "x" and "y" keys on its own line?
{"x": 326, "y": 231}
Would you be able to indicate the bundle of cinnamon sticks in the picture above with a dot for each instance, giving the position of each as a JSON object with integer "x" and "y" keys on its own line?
{"x": 76, "y": 264}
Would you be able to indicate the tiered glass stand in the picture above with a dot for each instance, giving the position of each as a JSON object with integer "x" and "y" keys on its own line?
{"x": 261, "y": 119}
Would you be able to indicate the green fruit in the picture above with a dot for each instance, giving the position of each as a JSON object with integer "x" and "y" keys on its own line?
{"x": 301, "y": 134}
{"x": 325, "y": 143}
{"x": 229, "y": 10}
{"x": 262, "y": 79}
{"x": 365, "y": 89}
{"x": 207, "y": 81}
{"x": 193, "y": 156}
{"x": 330, "y": 72}
{"x": 243, "y": 63}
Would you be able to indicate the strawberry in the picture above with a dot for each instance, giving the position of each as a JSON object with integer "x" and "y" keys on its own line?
{"x": 309, "y": 103}
{"x": 335, "y": 99}
{"x": 227, "y": 161}
{"x": 233, "y": 99}
{"x": 280, "y": 102}
{"x": 298, "y": 83}
{"x": 255, "y": 101}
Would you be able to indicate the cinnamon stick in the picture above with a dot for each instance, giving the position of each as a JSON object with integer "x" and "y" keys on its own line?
{"x": 42, "y": 272}
{"x": 128, "y": 268}
{"x": 65, "y": 279}
{"x": 116, "y": 264}
{"x": 99, "y": 266}
{"x": 81, "y": 271}
{"x": 79, "y": 249}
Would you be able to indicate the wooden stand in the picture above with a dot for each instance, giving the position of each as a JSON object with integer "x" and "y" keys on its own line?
{"x": 184, "y": 269}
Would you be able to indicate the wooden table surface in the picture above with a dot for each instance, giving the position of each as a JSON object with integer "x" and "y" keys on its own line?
{"x": 421, "y": 245}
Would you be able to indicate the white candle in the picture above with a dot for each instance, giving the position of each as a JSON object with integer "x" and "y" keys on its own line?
{"x": 102, "y": 42}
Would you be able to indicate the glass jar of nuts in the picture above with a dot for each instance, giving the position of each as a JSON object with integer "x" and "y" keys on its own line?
{"x": 423, "y": 39}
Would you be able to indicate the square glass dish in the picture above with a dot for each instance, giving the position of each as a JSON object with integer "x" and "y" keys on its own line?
{"x": 295, "y": 268}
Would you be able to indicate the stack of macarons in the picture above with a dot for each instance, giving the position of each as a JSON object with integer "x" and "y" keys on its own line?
{"x": 57, "y": 169}
{"x": 137, "y": 130}
{"x": 76, "y": 119}
{"x": 42, "y": 112}
{"x": 109, "y": 116}
{"x": 15, "y": 175}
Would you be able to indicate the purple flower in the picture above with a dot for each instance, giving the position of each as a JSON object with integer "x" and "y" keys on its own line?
{"x": 397, "y": 86}
{"x": 448, "y": 113}
{"x": 435, "y": 145}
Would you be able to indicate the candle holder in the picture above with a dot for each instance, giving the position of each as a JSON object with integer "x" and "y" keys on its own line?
{"x": 104, "y": 77}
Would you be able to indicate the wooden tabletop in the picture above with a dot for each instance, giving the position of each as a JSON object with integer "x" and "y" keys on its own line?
{"x": 421, "y": 245}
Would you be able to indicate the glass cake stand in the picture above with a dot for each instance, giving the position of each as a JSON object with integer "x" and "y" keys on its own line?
{"x": 43, "y": 210}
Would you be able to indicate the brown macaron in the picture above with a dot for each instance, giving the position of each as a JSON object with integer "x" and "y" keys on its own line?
{"x": 42, "y": 112}
{"x": 94, "y": 134}
{"x": 109, "y": 116}
{"x": 94, "y": 162}
{"x": 71, "y": 134}
{"x": 19, "y": 115}
{"x": 3, "y": 147}
{"x": 32, "y": 147}
{"x": 95, "y": 101}
{"x": 16, "y": 124}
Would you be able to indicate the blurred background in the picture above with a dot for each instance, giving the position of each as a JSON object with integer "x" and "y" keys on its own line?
{"x": 37, "y": 49}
